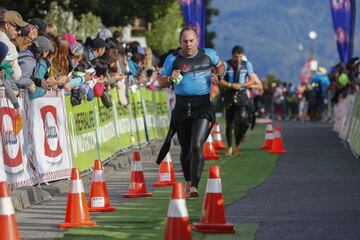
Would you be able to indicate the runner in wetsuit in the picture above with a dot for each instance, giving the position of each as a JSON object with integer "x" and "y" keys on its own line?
{"x": 193, "y": 110}
{"x": 239, "y": 76}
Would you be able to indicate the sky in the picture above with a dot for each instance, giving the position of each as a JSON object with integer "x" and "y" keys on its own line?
{"x": 271, "y": 32}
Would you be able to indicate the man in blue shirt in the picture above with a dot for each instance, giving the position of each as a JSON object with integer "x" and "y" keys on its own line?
{"x": 189, "y": 71}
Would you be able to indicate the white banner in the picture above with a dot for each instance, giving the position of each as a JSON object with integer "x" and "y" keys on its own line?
{"x": 346, "y": 116}
{"x": 50, "y": 137}
{"x": 14, "y": 148}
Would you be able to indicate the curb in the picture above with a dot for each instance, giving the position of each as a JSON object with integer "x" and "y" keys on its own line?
{"x": 24, "y": 197}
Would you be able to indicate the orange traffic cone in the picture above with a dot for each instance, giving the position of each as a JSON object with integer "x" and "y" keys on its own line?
{"x": 137, "y": 186}
{"x": 209, "y": 150}
{"x": 277, "y": 146}
{"x": 77, "y": 212}
{"x": 218, "y": 143}
{"x": 99, "y": 196}
{"x": 177, "y": 226}
{"x": 166, "y": 172}
{"x": 213, "y": 218}
{"x": 269, "y": 136}
{"x": 8, "y": 227}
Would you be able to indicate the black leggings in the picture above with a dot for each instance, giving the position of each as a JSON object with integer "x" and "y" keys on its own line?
{"x": 192, "y": 134}
{"x": 236, "y": 119}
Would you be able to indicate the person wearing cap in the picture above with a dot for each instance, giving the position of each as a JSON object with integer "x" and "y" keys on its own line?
{"x": 9, "y": 30}
{"x": 36, "y": 27}
{"x": 6, "y": 73}
{"x": 34, "y": 65}
{"x": 96, "y": 49}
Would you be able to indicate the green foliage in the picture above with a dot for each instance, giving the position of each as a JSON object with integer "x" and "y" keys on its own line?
{"x": 165, "y": 30}
{"x": 112, "y": 12}
{"x": 87, "y": 25}
{"x": 121, "y": 12}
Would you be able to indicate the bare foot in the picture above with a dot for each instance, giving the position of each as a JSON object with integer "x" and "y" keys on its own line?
{"x": 229, "y": 151}
{"x": 237, "y": 150}
{"x": 187, "y": 189}
{"x": 193, "y": 192}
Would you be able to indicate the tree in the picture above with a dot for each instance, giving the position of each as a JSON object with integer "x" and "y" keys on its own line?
{"x": 87, "y": 25}
{"x": 165, "y": 30}
{"x": 112, "y": 12}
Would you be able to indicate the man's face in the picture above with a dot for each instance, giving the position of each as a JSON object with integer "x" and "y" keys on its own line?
{"x": 189, "y": 42}
{"x": 11, "y": 30}
{"x": 237, "y": 57}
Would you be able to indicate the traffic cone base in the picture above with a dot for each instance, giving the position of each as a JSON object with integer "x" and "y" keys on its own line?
{"x": 136, "y": 195}
{"x": 278, "y": 152}
{"x": 163, "y": 184}
{"x": 214, "y": 228}
{"x": 74, "y": 225}
{"x": 8, "y": 225}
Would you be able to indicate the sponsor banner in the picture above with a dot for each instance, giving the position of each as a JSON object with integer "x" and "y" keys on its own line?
{"x": 82, "y": 133}
{"x": 149, "y": 109}
{"x": 137, "y": 116}
{"x": 346, "y": 117}
{"x": 107, "y": 131}
{"x": 162, "y": 113}
{"x": 354, "y": 130}
{"x": 122, "y": 120}
{"x": 50, "y": 137}
{"x": 14, "y": 148}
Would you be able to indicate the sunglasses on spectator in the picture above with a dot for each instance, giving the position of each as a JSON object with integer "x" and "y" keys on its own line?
{"x": 17, "y": 28}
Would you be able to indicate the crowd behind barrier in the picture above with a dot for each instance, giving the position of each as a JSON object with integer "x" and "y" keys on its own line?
{"x": 57, "y": 135}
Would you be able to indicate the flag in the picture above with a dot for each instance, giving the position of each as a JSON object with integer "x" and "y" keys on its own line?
{"x": 194, "y": 16}
{"x": 343, "y": 16}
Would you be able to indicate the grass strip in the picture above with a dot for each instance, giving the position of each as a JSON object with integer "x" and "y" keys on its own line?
{"x": 145, "y": 218}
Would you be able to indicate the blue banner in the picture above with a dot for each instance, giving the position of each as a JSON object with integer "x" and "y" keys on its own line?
{"x": 194, "y": 16}
{"x": 343, "y": 15}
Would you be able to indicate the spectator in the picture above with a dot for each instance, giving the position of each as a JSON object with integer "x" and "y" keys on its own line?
{"x": 36, "y": 27}
{"x": 9, "y": 30}
{"x": 6, "y": 72}
{"x": 34, "y": 65}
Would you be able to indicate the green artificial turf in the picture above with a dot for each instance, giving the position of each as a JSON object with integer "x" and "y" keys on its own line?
{"x": 145, "y": 218}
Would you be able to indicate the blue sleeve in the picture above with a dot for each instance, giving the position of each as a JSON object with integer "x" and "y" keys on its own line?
{"x": 214, "y": 56}
{"x": 42, "y": 70}
{"x": 249, "y": 67}
{"x": 168, "y": 66}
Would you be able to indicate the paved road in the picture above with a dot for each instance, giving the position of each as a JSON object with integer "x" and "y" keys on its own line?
{"x": 314, "y": 192}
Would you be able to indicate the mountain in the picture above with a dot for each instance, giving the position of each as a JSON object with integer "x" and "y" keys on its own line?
{"x": 273, "y": 32}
